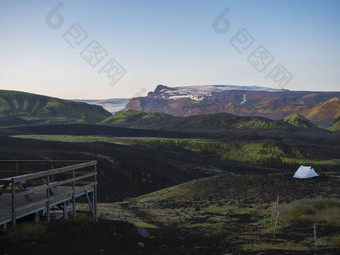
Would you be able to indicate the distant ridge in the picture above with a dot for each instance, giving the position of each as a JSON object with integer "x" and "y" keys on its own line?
{"x": 321, "y": 108}
{"x": 21, "y": 108}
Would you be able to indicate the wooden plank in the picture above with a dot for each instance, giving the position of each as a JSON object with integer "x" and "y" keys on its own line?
{"x": 74, "y": 196}
{"x": 13, "y": 205}
{"x": 75, "y": 179}
{"x": 48, "y": 199}
{"x": 3, "y": 189}
{"x": 54, "y": 184}
{"x": 95, "y": 192}
{"x": 43, "y": 161}
{"x": 30, "y": 205}
{"x": 50, "y": 172}
{"x": 54, "y": 199}
{"x": 4, "y": 180}
{"x": 34, "y": 189}
{"x": 86, "y": 187}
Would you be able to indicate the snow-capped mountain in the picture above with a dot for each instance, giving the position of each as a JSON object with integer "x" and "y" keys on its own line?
{"x": 199, "y": 92}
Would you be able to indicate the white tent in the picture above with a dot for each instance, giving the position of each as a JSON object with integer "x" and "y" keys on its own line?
{"x": 305, "y": 172}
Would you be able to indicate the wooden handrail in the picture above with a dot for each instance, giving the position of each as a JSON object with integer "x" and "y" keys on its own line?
{"x": 42, "y": 161}
{"x": 55, "y": 184}
{"x": 54, "y": 171}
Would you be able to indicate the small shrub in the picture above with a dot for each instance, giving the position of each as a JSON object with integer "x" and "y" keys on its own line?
{"x": 301, "y": 210}
{"x": 149, "y": 199}
{"x": 325, "y": 204}
{"x": 335, "y": 242}
{"x": 313, "y": 211}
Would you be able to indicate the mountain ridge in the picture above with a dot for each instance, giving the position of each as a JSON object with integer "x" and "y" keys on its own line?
{"x": 273, "y": 105}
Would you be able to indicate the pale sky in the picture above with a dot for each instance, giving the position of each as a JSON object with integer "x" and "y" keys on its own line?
{"x": 170, "y": 42}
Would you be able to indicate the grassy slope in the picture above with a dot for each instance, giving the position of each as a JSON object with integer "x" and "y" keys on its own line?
{"x": 134, "y": 117}
{"x": 238, "y": 209}
{"x": 335, "y": 126}
{"x": 263, "y": 153}
{"x": 329, "y": 108}
{"x": 298, "y": 120}
{"x": 202, "y": 123}
{"x": 24, "y": 108}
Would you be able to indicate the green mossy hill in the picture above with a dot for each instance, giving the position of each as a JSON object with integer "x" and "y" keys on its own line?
{"x": 17, "y": 108}
{"x": 298, "y": 120}
{"x": 135, "y": 117}
{"x": 202, "y": 123}
{"x": 336, "y": 126}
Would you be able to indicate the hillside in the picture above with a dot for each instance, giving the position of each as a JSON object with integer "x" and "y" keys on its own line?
{"x": 234, "y": 211}
{"x": 335, "y": 126}
{"x": 218, "y": 122}
{"x": 298, "y": 120}
{"x": 319, "y": 107}
{"x": 19, "y": 108}
{"x": 135, "y": 117}
{"x": 326, "y": 112}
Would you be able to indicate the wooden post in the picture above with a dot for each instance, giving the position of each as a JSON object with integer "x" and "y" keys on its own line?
{"x": 95, "y": 193}
{"x": 13, "y": 204}
{"x": 74, "y": 194}
{"x": 91, "y": 204}
{"x": 48, "y": 198}
{"x": 36, "y": 217}
{"x": 316, "y": 242}
{"x": 277, "y": 219}
{"x": 271, "y": 222}
{"x": 65, "y": 211}
{"x": 276, "y": 205}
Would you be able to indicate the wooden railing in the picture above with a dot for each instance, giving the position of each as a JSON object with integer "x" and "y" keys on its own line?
{"x": 16, "y": 170}
{"x": 46, "y": 181}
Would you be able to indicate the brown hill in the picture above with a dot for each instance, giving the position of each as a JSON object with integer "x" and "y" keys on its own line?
{"x": 326, "y": 112}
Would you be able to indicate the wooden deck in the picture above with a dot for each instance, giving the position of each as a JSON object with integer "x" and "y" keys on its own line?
{"x": 37, "y": 193}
